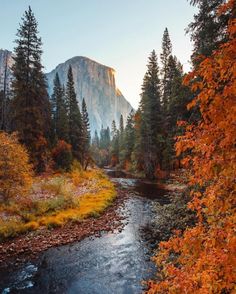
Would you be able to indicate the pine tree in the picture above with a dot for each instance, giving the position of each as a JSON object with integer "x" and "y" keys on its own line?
{"x": 86, "y": 125}
{"x": 121, "y": 124}
{"x": 208, "y": 28}
{"x": 85, "y": 134}
{"x": 165, "y": 55}
{"x": 151, "y": 118}
{"x": 129, "y": 137}
{"x": 74, "y": 118}
{"x": 113, "y": 128}
{"x": 178, "y": 98}
{"x": 95, "y": 140}
{"x": 137, "y": 155}
{"x": 59, "y": 112}
{"x": 31, "y": 107}
{"x": 105, "y": 138}
{"x": 115, "y": 144}
{"x": 121, "y": 141}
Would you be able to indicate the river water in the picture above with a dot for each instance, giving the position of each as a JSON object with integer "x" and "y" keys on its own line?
{"x": 113, "y": 263}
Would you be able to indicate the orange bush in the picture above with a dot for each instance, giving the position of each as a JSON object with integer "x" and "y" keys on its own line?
{"x": 15, "y": 170}
{"x": 62, "y": 155}
{"x": 205, "y": 260}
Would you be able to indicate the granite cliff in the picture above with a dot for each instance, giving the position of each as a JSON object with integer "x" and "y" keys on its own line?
{"x": 93, "y": 81}
{"x": 96, "y": 84}
{"x": 6, "y": 61}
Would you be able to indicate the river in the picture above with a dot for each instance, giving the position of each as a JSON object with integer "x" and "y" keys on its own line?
{"x": 113, "y": 263}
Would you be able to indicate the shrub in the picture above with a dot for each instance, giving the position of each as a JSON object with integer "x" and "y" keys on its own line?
{"x": 15, "y": 170}
{"x": 62, "y": 155}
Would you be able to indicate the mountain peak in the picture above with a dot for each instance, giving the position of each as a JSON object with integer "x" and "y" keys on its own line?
{"x": 95, "y": 83}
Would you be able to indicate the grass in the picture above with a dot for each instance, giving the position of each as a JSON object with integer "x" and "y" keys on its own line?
{"x": 64, "y": 204}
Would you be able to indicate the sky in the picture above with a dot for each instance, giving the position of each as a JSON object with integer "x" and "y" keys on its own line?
{"x": 117, "y": 33}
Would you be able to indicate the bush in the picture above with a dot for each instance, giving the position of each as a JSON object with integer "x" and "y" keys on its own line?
{"x": 15, "y": 170}
{"x": 62, "y": 155}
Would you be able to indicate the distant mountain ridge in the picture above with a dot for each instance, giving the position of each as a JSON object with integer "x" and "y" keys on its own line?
{"x": 93, "y": 81}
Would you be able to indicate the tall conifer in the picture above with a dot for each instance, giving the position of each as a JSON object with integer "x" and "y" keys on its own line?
{"x": 31, "y": 107}
{"x": 165, "y": 55}
{"x": 151, "y": 118}
{"x": 59, "y": 112}
{"x": 85, "y": 134}
{"x": 74, "y": 117}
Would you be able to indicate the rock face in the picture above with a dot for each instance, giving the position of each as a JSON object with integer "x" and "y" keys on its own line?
{"x": 96, "y": 84}
{"x": 93, "y": 81}
{"x": 6, "y": 61}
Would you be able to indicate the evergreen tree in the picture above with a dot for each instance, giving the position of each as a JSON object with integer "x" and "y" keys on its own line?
{"x": 121, "y": 124}
{"x": 129, "y": 137}
{"x": 95, "y": 140}
{"x": 113, "y": 129}
{"x": 31, "y": 115}
{"x": 101, "y": 147}
{"x": 74, "y": 118}
{"x": 121, "y": 141}
{"x": 208, "y": 28}
{"x": 178, "y": 98}
{"x": 85, "y": 134}
{"x": 105, "y": 138}
{"x": 115, "y": 144}
{"x": 165, "y": 55}
{"x": 59, "y": 112}
{"x": 137, "y": 155}
{"x": 86, "y": 125}
{"x": 151, "y": 118}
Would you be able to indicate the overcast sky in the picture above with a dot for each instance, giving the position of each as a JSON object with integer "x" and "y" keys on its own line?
{"x": 117, "y": 33}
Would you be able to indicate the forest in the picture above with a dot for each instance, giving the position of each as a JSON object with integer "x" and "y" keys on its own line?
{"x": 53, "y": 177}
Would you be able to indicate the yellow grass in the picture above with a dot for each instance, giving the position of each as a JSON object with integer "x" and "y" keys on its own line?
{"x": 67, "y": 205}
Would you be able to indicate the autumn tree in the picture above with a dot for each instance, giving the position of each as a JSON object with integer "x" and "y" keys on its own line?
{"x": 202, "y": 259}
{"x": 62, "y": 155}
{"x": 15, "y": 170}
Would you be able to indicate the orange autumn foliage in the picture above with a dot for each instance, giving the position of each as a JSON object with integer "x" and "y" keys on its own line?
{"x": 205, "y": 256}
{"x": 15, "y": 170}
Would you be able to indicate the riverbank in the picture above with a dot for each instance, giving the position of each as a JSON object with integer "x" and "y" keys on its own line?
{"x": 91, "y": 265}
{"x": 96, "y": 212}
